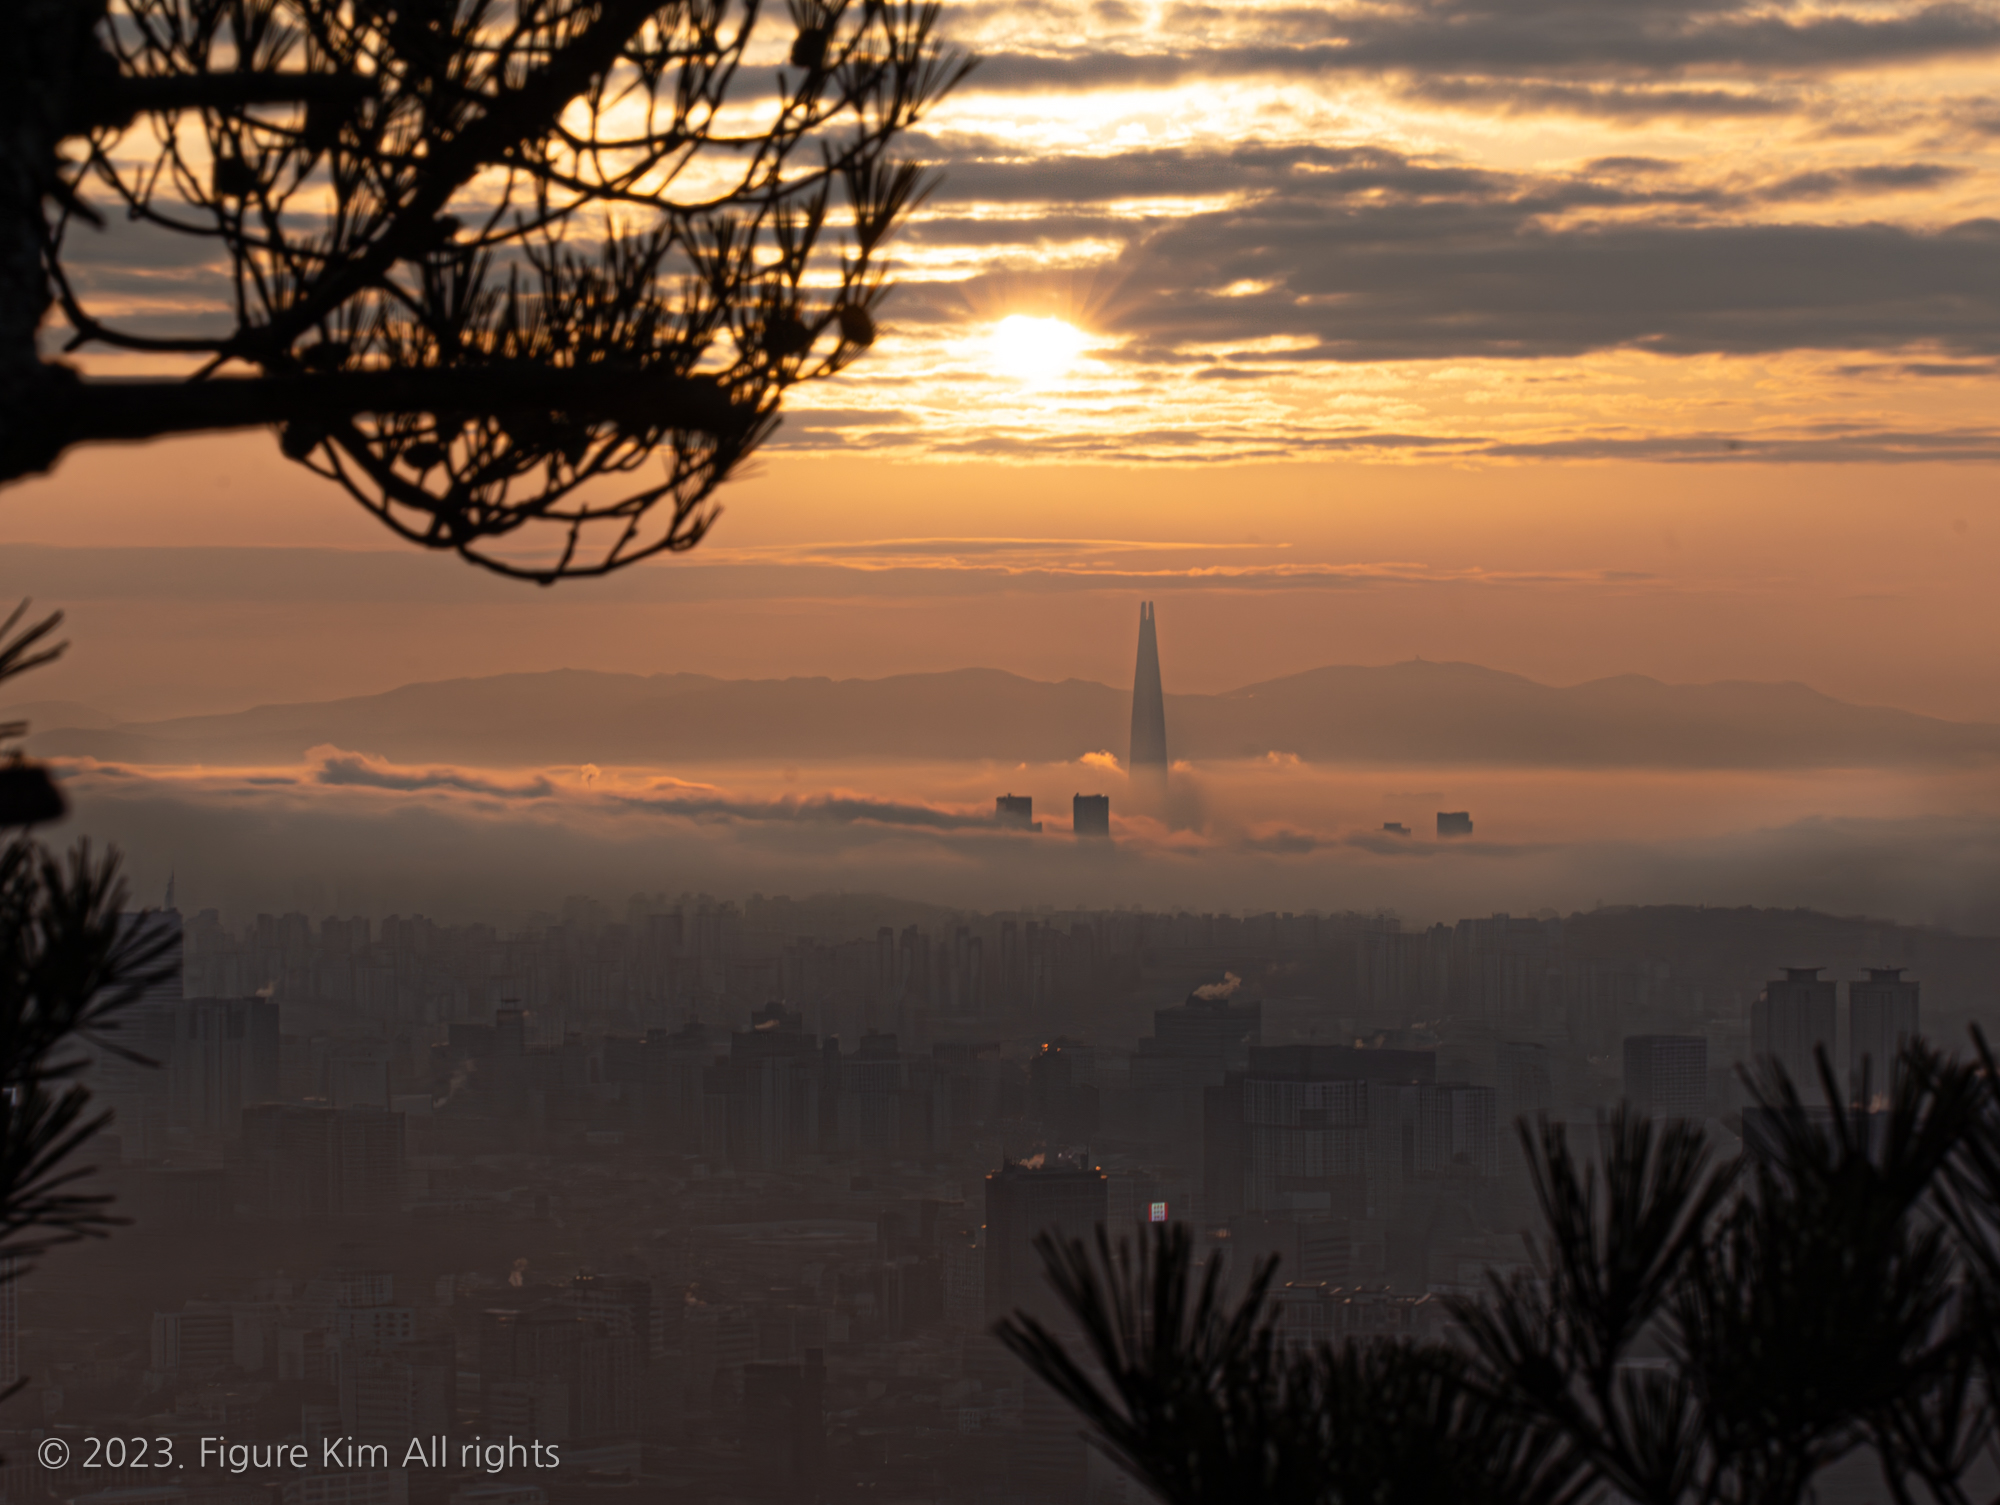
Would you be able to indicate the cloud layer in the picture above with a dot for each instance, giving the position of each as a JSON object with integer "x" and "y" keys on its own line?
{"x": 456, "y": 842}
{"x": 1688, "y": 230}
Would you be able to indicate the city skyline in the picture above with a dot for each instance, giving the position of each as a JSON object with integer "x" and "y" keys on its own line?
{"x": 443, "y": 1156}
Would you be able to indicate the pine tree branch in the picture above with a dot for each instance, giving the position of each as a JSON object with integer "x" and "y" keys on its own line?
{"x": 71, "y": 411}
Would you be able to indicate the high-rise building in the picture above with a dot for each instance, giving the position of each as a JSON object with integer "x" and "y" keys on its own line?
{"x": 303, "y": 1161}
{"x": 1090, "y": 814}
{"x": 1881, "y": 1020}
{"x": 1302, "y": 1136}
{"x": 1305, "y": 1123}
{"x": 1294, "y": 1133}
{"x": 224, "y": 1058}
{"x": 1666, "y": 1076}
{"x": 122, "y": 1076}
{"x": 1194, "y": 1045}
{"x": 358, "y": 1073}
{"x": 200, "y": 1339}
{"x": 1527, "y": 1081}
{"x": 762, "y": 1108}
{"x": 1456, "y": 1132}
{"x": 549, "y": 1366}
{"x": 962, "y": 1261}
{"x": 1789, "y": 1021}
{"x": 784, "y": 1423}
{"x": 1420, "y": 1130}
{"x": 1016, "y": 811}
{"x": 1149, "y": 705}
{"x": 391, "y": 1391}
{"x": 1049, "y": 1461}
{"x": 162, "y": 933}
{"x": 662, "y": 1078}
{"x": 965, "y": 1088}
{"x": 869, "y": 1114}
{"x": 622, "y": 1305}
{"x": 1066, "y": 1199}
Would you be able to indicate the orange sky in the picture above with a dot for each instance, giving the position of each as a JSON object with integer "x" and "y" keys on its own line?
{"x": 1871, "y": 582}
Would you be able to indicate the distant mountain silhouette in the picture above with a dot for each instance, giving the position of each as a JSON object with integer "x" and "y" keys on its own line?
{"x": 59, "y": 713}
{"x": 1462, "y": 713}
{"x": 1415, "y": 712}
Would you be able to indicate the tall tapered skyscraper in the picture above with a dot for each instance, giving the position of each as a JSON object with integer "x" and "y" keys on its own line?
{"x": 1149, "y": 706}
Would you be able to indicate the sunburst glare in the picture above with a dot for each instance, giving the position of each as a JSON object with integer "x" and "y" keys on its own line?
{"x": 1036, "y": 349}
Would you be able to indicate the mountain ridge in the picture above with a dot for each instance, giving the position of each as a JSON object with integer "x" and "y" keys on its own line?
{"x": 1422, "y": 711}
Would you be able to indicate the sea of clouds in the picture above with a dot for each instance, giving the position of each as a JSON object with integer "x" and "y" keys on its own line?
{"x": 352, "y": 833}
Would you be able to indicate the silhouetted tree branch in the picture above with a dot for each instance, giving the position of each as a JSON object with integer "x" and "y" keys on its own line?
{"x": 1690, "y": 1332}
{"x": 1193, "y": 1394}
{"x": 70, "y": 965}
{"x": 1554, "y": 1344}
{"x": 485, "y": 262}
{"x": 1822, "y": 1313}
{"x": 1194, "y": 1398}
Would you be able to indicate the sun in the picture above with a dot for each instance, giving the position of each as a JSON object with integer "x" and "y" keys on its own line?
{"x": 1035, "y": 349}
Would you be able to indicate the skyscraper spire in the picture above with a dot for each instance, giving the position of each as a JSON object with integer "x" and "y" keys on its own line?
{"x": 1149, "y": 706}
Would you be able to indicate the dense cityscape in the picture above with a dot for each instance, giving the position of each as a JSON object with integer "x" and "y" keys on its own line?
{"x": 713, "y": 1200}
